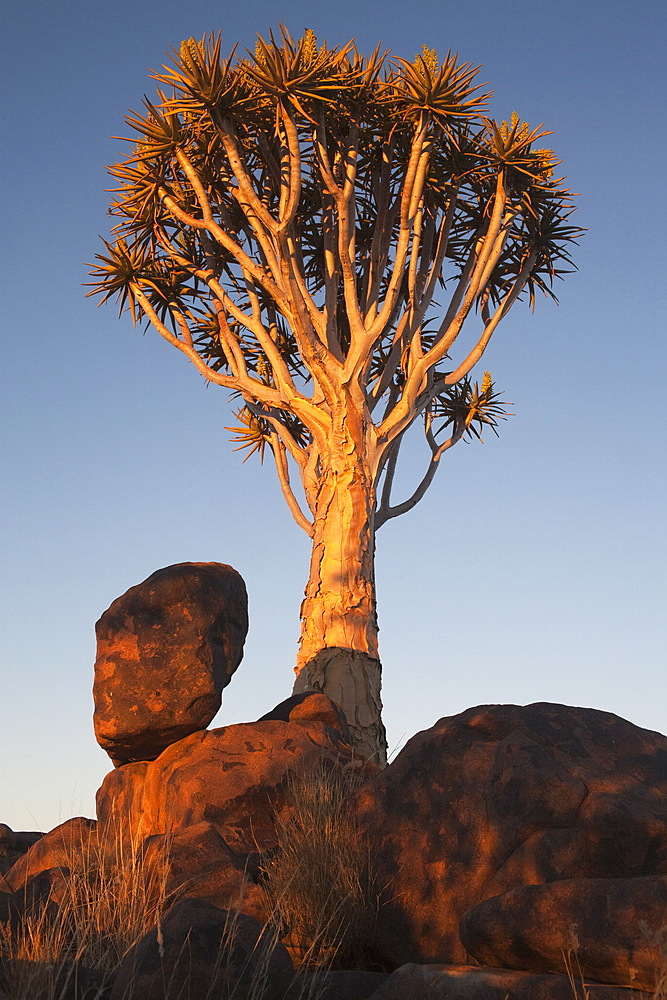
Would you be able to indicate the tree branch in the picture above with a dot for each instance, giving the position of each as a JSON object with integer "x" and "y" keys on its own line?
{"x": 241, "y": 257}
{"x": 227, "y": 134}
{"x": 278, "y": 450}
{"x": 237, "y": 383}
{"x": 289, "y": 205}
{"x": 412, "y": 186}
{"x": 437, "y": 451}
{"x": 503, "y": 308}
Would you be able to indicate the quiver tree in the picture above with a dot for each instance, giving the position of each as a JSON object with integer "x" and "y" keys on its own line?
{"x": 311, "y": 229}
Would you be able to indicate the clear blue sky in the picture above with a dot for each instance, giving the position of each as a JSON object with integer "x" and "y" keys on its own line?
{"x": 535, "y": 567}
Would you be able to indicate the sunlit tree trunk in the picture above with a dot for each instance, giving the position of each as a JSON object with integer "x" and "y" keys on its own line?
{"x": 338, "y": 652}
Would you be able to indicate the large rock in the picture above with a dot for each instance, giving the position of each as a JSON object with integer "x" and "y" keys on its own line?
{"x": 198, "y": 864}
{"x": 202, "y": 951}
{"x": 502, "y": 797}
{"x": 14, "y": 843}
{"x": 614, "y": 929}
{"x": 71, "y": 845}
{"x": 234, "y": 778}
{"x": 461, "y": 982}
{"x": 165, "y": 651}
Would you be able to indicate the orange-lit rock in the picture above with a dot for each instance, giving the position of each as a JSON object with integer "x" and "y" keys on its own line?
{"x": 501, "y": 797}
{"x": 617, "y": 928}
{"x": 165, "y": 651}
{"x": 234, "y": 778}
{"x": 200, "y": 865}
{"x": 72, "y": 844}
{"x": 42, "y": 893}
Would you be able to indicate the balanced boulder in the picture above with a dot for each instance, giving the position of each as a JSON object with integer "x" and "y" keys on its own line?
{"x": 165, "y": 651}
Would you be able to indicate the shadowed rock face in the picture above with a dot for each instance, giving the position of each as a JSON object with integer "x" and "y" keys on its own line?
{"x": 616, "y": 927}
{"x": 200, "y": 865}
{"x": 165, "y": 651}
{"x": 204, "y": 952}
{"x": 461, "y": 982}
{"x": 504, "y": 796}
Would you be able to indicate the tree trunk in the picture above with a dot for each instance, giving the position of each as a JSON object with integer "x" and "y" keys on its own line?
{"x": 338, "y": 652}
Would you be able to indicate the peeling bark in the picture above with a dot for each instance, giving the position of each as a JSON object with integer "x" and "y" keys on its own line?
{"x": 352, "y": 679}
{"x": 338, "y": 652}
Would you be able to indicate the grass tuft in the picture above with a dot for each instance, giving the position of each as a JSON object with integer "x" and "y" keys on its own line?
{"x": 319, "y": 882}
{"x": 110, "y": 900}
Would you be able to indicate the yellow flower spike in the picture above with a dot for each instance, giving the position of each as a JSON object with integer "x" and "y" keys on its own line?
{"x": 429, "y": 58}
{"x": 189, "y": 52}
{"x": 546, "y": 158}
{"x": 309, "y": 53}
{"x": 522, "y": 132}
{"x": 259, "y": 55}
{"x": 487, "y": 382}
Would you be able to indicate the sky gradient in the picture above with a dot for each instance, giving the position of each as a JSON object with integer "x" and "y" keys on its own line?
{"x": 534, "y": 569}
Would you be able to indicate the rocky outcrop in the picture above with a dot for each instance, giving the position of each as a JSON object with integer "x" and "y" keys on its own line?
{"x": 499, "y": 830}
{"x": 502, "y": 797}
{"x": 234, "y": 778}
{"x": 165, "y": 651}
{"x": 616, "y": 928}
{"x": 532, "y": 840}
{"x": 202, "y": 951}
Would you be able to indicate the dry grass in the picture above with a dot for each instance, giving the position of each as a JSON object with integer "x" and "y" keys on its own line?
{"x": 573, "y": 968}
{"x": 111, "y": 899}
{"x": 656, "y": 939}
{"x": 320, "y": 883}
